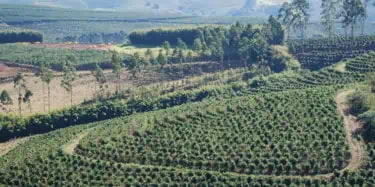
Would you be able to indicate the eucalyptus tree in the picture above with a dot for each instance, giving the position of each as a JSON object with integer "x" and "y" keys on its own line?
{"x": 167, "y": 47}
{"x": 329, "y": 15}
{"x": 27, "y": 98}
{"x": 181, "y": 57}
{"x": 285, "y": 15}
{"x": 69, "y": 76}
{"x": 46, "y": 75}
{"x": 181, "y": 44}
{"x": 19, "y": 83}
{"x": 300, "y": 15}
{"x": 365, "y": 4}
{"x": 352, "y": 12}
{"x": 99, "y": 76}
{"x": 116, "y": 69}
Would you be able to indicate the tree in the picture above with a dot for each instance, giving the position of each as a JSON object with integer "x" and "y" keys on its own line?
{"x": 98, "y": 73}
{"x": 189, "y": 56}
{"x": 166, "y": 47}
{"x": 300, "y": 15}
{"x": 70, "y": 75}
{"x": 46, "y": 75}
{"x": 285, "y": 14}
{"x": 244, "y": 50}
{"x": 5, "y": 98}
{"x": 116, "y": 70}
{"x": 328, "y": 15}
{"x": 20, "y": 84}
{"x": 364, "y": 18}
{"x": 352, "y": 12}
{"x": 175, "y": 51}
{"x": 162, "y": 59}
{"x": 27, "y": 98}
{"x": 148, "y": 53}
{"x": 133, "y": 64}
{"x": 274, "y": 32}
{"x": 181, "y": 44}
{"x": 181, "y": 56}
{"x": 258, "y": 48}
{"x": 197, "y": 46}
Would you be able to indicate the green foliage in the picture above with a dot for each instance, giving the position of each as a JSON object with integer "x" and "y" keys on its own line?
{"x": 32, "y": 55}
{"x": 357, "y": 102}
{"x": 315, "y": 54}
{"x": 275, "y": 34}
{"x": 181, "y": 44}
{"x": 181, "y": 137}
{"x": 361, "y": 64}
{"x": 328, "y": 15}
{"x": 20, "y": 36}
{"x": 352, "y": 12}
{"x": 19, "y": 84}
{"x": 160, "y": 36}
{"x": 295, "y": 14}
{"x": 162, "y": 59}
{"x": 5, "y": 98}
{"x": 100, "y": 111}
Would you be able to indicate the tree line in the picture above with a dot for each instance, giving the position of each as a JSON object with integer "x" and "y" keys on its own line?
{"x": 249, "y": 44}
{"x": 20, "y": 36}
{"x": 159, "y": 36}
{"x": 350, "y": 13}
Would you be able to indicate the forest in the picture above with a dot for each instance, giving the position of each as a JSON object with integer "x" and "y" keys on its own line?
{"x": 20, "y": 36}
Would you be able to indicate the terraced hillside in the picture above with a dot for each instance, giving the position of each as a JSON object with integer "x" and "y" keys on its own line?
{"x": 362, "y": 64}
{"x": 285, "y": 129}
{"x": 181, "y": 146}
{"x": 315, "y": 54}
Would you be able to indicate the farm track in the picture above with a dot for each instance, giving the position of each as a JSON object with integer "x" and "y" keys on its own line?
{"x": 8, "y": 146}
{"x": 351, "y": 124}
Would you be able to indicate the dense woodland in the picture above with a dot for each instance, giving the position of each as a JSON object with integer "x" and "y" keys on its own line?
{"x": 20, "y": 36}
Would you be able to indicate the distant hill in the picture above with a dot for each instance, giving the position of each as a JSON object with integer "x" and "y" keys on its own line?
{"x": 189, "y": 7}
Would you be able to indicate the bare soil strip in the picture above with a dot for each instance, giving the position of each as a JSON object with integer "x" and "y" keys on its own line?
{"x": 351, "y": 125}
{"x": 70, "y": 148}
{"x": 8, "y": 146}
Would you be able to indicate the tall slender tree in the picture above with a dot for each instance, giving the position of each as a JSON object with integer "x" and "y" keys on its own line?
{"x": 181, "y": 44}
{"x": 99, "y": 76}
{"x": 329, "y": 15}
{"x": 20, "y": 84}
{"x": 301, "y": 15}
{"x": 70, "y": 75}
{"x": 27, "y": 99}
{"x": 352, "y": 12}
{"x": 285, "y": 15}
{"x": 46, "y": 75}
{"x": 197, "y": 45}
{"x": 162, "y": 59}
{"x": 167, "y": 47}
{"x": 116, "y": 70}
{"x": 364, "y": 18}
